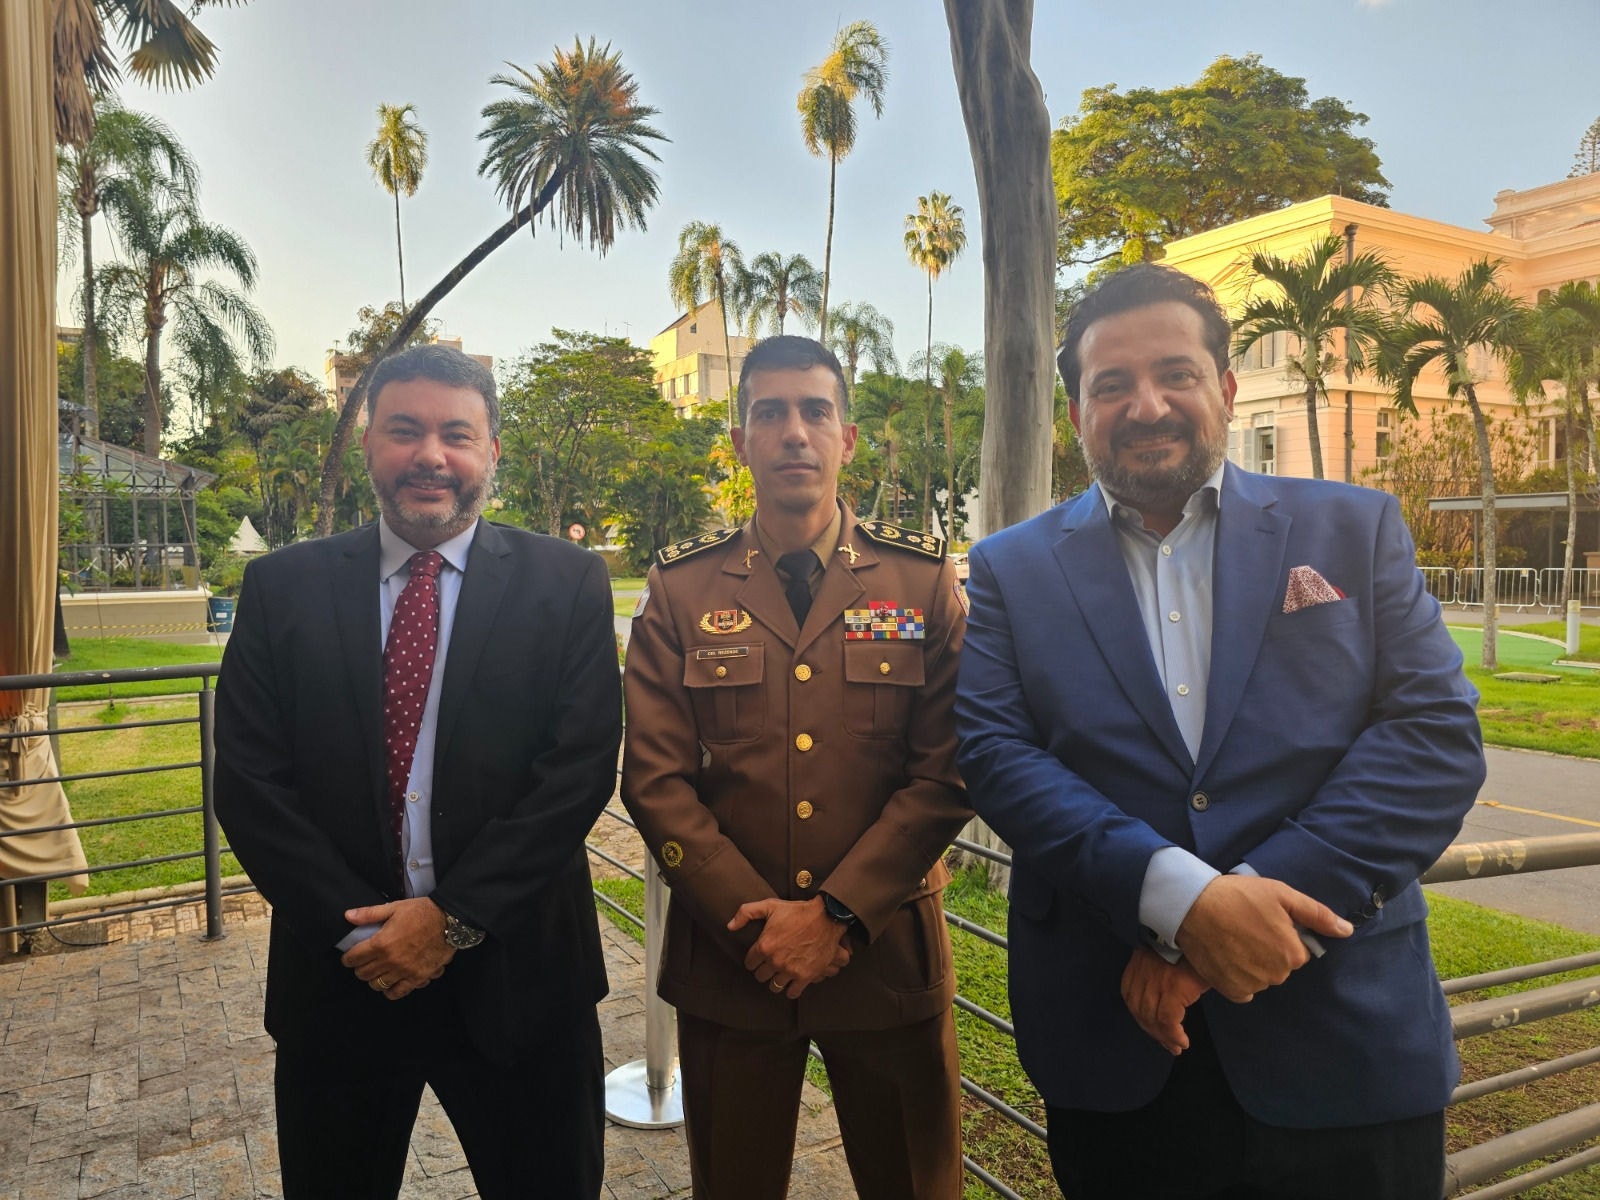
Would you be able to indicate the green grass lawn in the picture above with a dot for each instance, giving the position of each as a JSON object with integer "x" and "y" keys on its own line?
{"x": 112, "y": 654}
{"x": 1467, "y": 940}
{"x": 1588, "y": 638}
{"x": 111, "y": 749}
{"x": 625, "y": 591}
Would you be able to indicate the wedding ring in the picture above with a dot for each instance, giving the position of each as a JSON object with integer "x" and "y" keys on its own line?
{"x": 382, "y": 984}
{"x": 775, "y": 986}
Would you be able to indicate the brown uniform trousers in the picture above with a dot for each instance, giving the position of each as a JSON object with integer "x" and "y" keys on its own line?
{"x": 768, "y": 760}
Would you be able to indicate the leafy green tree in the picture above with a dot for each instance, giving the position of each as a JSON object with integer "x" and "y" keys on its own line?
{"x": 574, "y": 411}
{"x": 774, "y": 288}
{"x": 1443, "y": 324}
{"x": 885, "y": 405}
{"x": 857, "y": 66}
{"x": 124, "y": 145}
{"x": 707, "y": 266}
{"x": 398, "y": 155}
{"x": 664, "y": 495}
{"x": 1312, "y": 298}
{"x": 166, "y": 284}
{"x": 1587, "y": 160}
{"x": 568, "y": 145}
{"x": 958, "y": 384}
{"x": 166, "y": 48}
{"x": 935, "y": 236}
{"x": 1139, "y": 168}
{"x": 120, "y": 384}
{"x": 272, "y": 400}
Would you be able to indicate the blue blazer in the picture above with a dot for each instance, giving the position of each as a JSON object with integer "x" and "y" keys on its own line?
{"x": 1341, "y": 751}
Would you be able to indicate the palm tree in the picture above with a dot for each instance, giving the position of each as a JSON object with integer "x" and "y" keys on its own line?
{"x": 163, "y": 284}
{"x": 960, "y": 376}
{"x": 861, "y": 331}
{"x": 1563, "y": 345}
{"x": 775, "y": 288}
{"x": 1316, "y": 296}
{"x": 398, "y": 156}
{"x": 123, "y": 144}
{"x": 935, "y": 236}
{"x": 167, "y": 49}
{"x": 707, "y": 267}
{"x": 1442, "y": 323}
{"x": 857, "y": 65}
{"x": 568, "y": 144}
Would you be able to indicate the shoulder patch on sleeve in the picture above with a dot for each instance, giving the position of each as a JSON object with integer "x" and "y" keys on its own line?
{"x": 689, "y": 547}
{"x": 885, "y": 534}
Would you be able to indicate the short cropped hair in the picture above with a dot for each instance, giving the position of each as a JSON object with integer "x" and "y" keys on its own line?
{"x": 442, "y": 364}
{"x": 787, "y": 352}
{"x": 1140, "y": 286}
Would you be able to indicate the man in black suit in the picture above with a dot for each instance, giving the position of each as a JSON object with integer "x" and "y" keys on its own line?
{"x": 417, "y": 724}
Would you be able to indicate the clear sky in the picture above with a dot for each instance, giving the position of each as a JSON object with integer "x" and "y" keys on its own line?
{"x": 1466, "y": 97}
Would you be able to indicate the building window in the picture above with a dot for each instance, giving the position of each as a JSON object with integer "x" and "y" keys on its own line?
{"x": 1385, "y": 436}
{"x": 1266, "y": 450}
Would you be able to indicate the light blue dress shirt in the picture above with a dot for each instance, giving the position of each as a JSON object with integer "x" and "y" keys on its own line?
{"x": 416, "y": 830}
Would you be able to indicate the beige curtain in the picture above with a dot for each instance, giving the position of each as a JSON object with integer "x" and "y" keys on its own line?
{"x": 28, "y": 436}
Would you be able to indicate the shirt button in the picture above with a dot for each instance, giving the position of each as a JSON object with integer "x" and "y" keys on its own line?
{"x": 803, "y": 742}
{"x": 804, "y": 810}
{"x": 1199, "y": 802}
{"x": 1173, "y": 615}
{"x": 413, "y": 864}
{"x": 802, "y": 672}
{"x": 803, "y": 879}
{"x": 412, "y": 797}
{"x": 1167, "y": 550}
{"x": 721, "y": 672}
{"x": 1183, "y": 689}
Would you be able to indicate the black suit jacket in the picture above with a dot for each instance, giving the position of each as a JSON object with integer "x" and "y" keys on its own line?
{"x": 525, "y": 758}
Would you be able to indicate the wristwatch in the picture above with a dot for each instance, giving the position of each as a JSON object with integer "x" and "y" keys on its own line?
{"x": 836, "y": 910}
{"x": 461, "y": 935}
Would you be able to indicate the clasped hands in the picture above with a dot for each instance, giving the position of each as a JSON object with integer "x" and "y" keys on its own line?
{"x": 800, "y": 945}
{"x": 1240, "y": 936}
{"x": 408, "y": 953}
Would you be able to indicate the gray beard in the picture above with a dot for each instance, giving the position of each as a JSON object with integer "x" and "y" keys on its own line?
{"x": 1163, "y": 487}
{"x": 469, "y": 503}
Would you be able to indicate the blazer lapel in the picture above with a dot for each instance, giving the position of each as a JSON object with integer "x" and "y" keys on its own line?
{"x": 1091, "y": 559}
{"x": 1251, "y": 541}
{"x": 355, "y": 606}
{"x": 761, "y": 595}
{"x": 482, "y": 588}
{"x": 841, "y": 588}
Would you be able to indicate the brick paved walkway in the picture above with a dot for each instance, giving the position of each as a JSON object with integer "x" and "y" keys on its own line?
{"x": 140, "y": 1069}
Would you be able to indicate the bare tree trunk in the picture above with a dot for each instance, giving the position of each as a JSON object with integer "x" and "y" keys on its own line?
{"x": 1572, "y": 508}
{"x": 827, "y": 252}
{"x": 949, "y": 469}
{"x": 400, "y": 251}
{"x": 91, "y": 397}
{"x": 727, "y": 352}
{"x": 927, "y": 420}
{"x": 1008, "y": 128}
{"x": 1313, "y": 430}
{"x": 328, "y": 488}
{"x": 152, "y": 389}
{"x": 1491, "y": 617}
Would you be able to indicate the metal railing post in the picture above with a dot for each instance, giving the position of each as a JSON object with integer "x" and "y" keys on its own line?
{"x": 644, "y": 1093}
{"x": 208, "y": 805}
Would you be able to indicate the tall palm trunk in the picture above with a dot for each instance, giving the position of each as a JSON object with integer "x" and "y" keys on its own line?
{"x": 91, "y": 397}
{"x": 327, "y": 490}
{"x": 152, "y": 387}
{"x": 1313, "y": 429}
{"x": 400, "y": 251}
{"x": 1572, "y": 508}
{"x": 1491, "y": 617}
{"x": 727, "y": 352}
{"x": 827, "y": 252}
{"x": 927, "y": 419}
{"x": 949, "y": 468}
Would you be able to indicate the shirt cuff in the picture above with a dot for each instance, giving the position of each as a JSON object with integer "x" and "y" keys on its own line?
{"x": 1173, "y": 881}
{"x": 1307, "y": 938}
{"x": 356, "y": 936}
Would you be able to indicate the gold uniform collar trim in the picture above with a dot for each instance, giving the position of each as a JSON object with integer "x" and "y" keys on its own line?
{"x": 885, "y": 534}
{"x": 689, "y": 547}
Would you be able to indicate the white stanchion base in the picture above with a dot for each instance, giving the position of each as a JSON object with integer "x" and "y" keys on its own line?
{"x": 631, "y": 1101}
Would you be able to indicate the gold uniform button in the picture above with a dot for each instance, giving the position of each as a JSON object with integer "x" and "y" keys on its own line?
{"x": 804, "y": 810}
{"x": 803, "y": 742}
{"x": 883, "y": 668}
{"x": 722, "y": 672}
{"x": 802, "y": 672}
{"x": 803, "y": 879}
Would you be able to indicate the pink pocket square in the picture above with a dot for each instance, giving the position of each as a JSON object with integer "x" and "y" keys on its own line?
{"x": 1307, "y": 588}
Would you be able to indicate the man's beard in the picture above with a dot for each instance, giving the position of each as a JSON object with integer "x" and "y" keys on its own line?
{"x": 469, "y": 501}
{"x": 1152, "y": 486}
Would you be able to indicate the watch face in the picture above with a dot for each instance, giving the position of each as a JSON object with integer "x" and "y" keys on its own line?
{"x": 461, "y": 935}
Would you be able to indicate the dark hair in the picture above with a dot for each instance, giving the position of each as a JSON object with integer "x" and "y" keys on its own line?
{"x": 786, "y": 352}
{"x": 442, "y": 364}
{"x": 1140, "y": 286}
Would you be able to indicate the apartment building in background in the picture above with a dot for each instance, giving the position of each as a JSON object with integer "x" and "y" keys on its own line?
{"x": 691, "y": 361}
{"x": 340, "y": 372}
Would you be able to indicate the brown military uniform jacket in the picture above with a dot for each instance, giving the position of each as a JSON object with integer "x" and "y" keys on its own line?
{"x": 767, "y": 760}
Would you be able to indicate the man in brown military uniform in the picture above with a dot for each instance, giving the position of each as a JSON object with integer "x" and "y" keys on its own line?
{"x": 791, "y": 763}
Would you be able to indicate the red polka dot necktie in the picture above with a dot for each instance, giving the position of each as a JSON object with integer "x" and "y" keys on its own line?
{"x": 407, "y": 671}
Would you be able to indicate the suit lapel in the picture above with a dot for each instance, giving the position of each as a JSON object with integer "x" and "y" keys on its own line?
{"x": 1091, "y": 559}
{"x": 355, "y": 604}
{"x": 761, "y": 595}
{"x": 841, "y": 589}
{"x": 482, "y": 587}
{"x": 1251, "y": 541}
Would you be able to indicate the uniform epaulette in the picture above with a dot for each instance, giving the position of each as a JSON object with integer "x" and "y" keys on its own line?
{"x": 885, "y": 534}
{"x": 679, "y": 551}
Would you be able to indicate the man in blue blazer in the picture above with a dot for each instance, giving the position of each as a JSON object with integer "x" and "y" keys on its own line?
{"x": 1221, "y": 722}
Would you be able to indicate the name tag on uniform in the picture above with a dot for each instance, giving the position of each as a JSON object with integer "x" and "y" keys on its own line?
{"x": 882, "y": 621}
{"x": 722, "y": 652}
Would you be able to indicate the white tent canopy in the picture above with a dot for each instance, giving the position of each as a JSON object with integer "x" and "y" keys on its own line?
{"x": 246, "y": 540}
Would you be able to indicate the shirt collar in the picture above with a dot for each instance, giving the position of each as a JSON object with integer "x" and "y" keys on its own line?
{"x": 394, "y": 552}
{"x": 1205, "y": 496}
{"x": 823, "y": 547}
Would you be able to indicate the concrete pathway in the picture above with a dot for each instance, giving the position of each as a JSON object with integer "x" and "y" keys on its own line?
{"x": 141, "y": 1070}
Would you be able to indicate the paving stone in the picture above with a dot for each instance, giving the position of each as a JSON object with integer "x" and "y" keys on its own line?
{"x": 110, "y": 1165}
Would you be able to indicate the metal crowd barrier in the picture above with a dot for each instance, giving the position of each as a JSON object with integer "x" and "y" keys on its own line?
{"x": 645, "y": 1093}
{"x": 1585, "y": 588}
{"x": 1440, "y": 582}
{"x": 1515, "y": 587}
